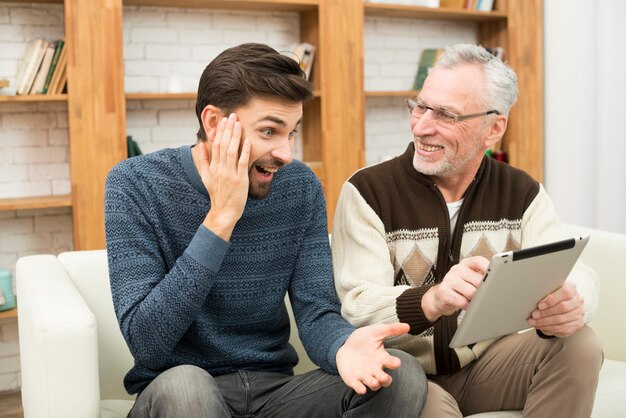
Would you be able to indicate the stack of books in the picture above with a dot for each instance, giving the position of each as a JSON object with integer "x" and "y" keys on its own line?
{"x": 43, "y": 69}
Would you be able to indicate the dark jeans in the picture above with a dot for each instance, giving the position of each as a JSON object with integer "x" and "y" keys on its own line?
{"x": 189, "y": 392}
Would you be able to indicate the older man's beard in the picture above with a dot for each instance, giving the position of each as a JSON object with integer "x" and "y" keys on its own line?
{"x": 447, "y": 164}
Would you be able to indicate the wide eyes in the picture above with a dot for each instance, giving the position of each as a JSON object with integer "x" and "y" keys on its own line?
{"x": 268, "y": 133}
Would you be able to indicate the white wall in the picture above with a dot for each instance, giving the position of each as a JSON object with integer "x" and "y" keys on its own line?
{"x": 585, "y": 104}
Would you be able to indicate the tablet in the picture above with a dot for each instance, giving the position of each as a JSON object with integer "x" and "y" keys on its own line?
{"x": 512, "y": 286}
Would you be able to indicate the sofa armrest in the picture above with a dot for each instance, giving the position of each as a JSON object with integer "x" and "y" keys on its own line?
{"x": 58, "y": 342}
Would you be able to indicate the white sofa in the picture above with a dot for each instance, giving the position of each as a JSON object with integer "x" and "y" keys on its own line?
{"x": 74, "y": 358}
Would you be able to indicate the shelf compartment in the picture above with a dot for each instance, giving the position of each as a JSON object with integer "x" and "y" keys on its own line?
{"x": 264, "y": 5}
{"x": 36, "y": 202}
{"x": 418, "y": 12}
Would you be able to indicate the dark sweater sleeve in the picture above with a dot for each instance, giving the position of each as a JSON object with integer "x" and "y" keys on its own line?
{"x": 409, "y": 307}
{"x": 312, "y": 292}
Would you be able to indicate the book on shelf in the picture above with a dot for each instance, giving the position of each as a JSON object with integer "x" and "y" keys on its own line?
{"x": 31, "y": 62}
{"x": 44, "y": 68}
{"x": 484, "y": 5}
{"x": 59, "y": 77}
{"x": 53, "y": 65}
{"x": 497, "y": 51}
{"x": 481, "y": 5}
{"x": 132, "y": 147}
{"x": 305, "y": 53}
{"x": 428, "y": 58}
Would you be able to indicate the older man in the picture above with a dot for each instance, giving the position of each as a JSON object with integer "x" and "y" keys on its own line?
{"x": 412, "y": 237}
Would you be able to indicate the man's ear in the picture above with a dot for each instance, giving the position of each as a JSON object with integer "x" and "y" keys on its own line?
{"x": 211, "y": 117}
{"x": 496, "y": 130}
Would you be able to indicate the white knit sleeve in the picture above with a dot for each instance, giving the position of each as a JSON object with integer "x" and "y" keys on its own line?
{"x": 363, "y": 271}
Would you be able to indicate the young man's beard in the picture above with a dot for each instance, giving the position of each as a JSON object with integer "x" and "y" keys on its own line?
{"x": 259, "y": 191}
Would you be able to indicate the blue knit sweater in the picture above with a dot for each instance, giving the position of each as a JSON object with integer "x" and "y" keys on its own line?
{"x": 183, "y": 295}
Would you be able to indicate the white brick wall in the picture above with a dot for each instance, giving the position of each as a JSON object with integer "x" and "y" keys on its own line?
{"x": 34, "y": 160}
{"x": 34, "y": 149}
{"x": 392, "y": 51}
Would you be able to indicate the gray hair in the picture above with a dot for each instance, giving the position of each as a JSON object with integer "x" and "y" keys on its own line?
{"x": 501, "y": 81}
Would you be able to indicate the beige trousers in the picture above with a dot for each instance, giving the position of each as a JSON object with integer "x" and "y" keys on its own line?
{"x": 554, "y": 378}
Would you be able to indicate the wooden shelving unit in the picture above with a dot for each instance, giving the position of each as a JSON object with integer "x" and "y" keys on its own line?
{"x": 334, "y": 132}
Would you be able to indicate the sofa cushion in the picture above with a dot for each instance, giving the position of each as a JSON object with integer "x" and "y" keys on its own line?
{"x": 115, "y": 408}
{"x": 611, "y": 394}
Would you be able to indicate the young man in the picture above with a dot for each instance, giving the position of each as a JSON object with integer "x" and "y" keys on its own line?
{"x": 411, "y": 241}
{"x": 204, "y": 243}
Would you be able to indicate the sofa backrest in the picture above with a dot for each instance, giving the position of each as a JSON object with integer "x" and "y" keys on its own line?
{"x": 90, "y": 273}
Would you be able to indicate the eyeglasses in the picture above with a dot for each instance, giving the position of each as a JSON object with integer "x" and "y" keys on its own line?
{"x": 441, "y": 115}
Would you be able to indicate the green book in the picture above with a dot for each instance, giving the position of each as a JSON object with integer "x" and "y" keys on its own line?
{"x": 428, "y": 58}
{"x": 53, "y": 65}
{"x": 132, "y": 147}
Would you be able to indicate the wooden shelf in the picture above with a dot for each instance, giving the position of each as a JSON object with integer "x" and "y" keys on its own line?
{"x": 174, "y": 96}
{"x": 418, "y": 12}
{"x": 37, "y": 202}
{"x": 38, "y": 1}
{"x": 35, "y": 98}
{"x": 264, "y": 5}
{"x": 398, "y": 93}
{"x": 160, "y": 96}
{"x": 10, "y": 313}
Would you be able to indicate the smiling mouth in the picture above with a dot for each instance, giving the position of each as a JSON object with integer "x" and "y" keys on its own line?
{"x": 429, "y": 148}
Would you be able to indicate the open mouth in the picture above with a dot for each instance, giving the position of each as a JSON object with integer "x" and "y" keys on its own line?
{"x": 266, "y": 171}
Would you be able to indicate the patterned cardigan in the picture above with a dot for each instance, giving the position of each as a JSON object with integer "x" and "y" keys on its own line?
{"x": 391, "y": 242}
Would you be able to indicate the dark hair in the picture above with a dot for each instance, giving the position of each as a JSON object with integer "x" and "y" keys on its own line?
{"x": 249, "y": 70}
